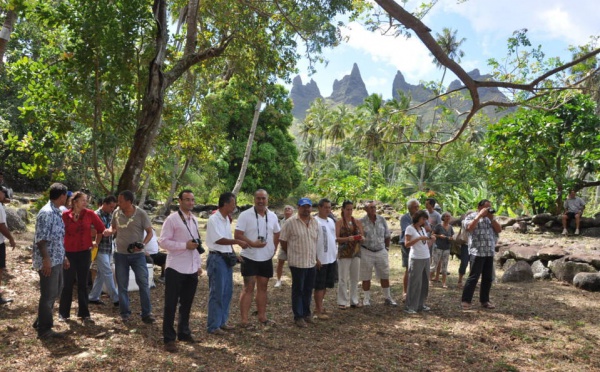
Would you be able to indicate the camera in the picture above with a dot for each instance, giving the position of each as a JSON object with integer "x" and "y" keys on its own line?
{"x": 199, "y": 248}
{"x": 262, "y": 239}
{"x": 131, "y": 247}
{"x": 491, "y": 210}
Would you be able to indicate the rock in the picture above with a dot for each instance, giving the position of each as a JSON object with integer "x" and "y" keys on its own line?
{"x": 14, "y": 221}
{"x": 553, "y": 253}
{"x": 351, "y": 90}
{"x": 303, "y": 96}
{"x": 587, "y": 281}
{"x": 418, "y": 93}
{"x": 540, "y": 271}
{"x": 508, "y": 263}
{"x": 566, "y": 270}
{"x": 592, "y": 258}
{"x": 23, "y": 214}
{"x": 526, "y": 253}
{"x": 519, "y": 272}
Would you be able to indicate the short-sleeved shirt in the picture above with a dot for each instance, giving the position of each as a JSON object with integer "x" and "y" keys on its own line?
{"x": 301, "y": 241}
{"x": 49, "y": 226}
{"x": 326, "y": 245}
{"x": 574, "y": 205}
{"x": 217, "y": 228}
{"x": 106, "y": 244}
{"x": 420, "y": 250}
{"x": 443, "y": 244}
{"x": 405, "y": 221}
{"x": 130, "y": 229}
{"x": 253, "y": 225}
{"x": 482, "y": 240}
{"x": 434, "y": 218}
{"x": 2, "y": 221}
{"x": 375, "y": 233}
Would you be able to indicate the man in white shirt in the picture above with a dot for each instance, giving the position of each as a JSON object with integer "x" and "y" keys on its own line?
{"x": 327, "y": 271}
{"x": 181, "y": 238}
{"x": 219, "y": 241}
{"x": 258, "y": 227}
{"x": 4, "y": 233}
{"x": 574, "y": 207}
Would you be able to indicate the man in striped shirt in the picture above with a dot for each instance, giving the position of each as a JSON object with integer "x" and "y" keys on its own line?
{"x": 299, "y": 240}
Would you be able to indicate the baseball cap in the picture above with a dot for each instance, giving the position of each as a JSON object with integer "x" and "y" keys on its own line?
{"x": 304, "y": 201}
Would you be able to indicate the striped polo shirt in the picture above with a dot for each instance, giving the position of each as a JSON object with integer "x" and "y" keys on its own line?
{"x": 301, "y": 241}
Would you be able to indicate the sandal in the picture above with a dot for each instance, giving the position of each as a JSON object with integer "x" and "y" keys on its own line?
{"x": 466, "y": 305}
{"x": 247, "y": 326}
{"x": 444, "y": 286}
{"x": 342, "y": 307}
{"x": 268, "y": 323}
{"x": 488, "y": 305}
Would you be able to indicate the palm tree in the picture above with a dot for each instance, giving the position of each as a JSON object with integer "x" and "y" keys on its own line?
{"x": 339, "y": 125}
{"x": 371, "y": 131}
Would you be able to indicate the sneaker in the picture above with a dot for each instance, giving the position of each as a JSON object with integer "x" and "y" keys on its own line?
{"x": 390, "y": 301}
{"x": 576, "y": 233}
{"x": 217, "y": 332}
{"x": 300, "y": 323}
{"x": 308, "y": 320}
{"x": 171, "y": 347}
{"x": 278, "y": 284}
{"x": 63, "y": 319}
{"x": 565, "y": 232}
{"x": 322, "y": 316}
{"x": 366, "y": 302}
{"x": 425, "y": 308}
{"x": 410, "y": 312}
{"x": 148, "y": 319}
{"x": 96, "y": 302}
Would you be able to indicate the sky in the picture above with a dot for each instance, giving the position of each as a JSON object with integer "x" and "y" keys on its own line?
{"x": 485, "y": 24}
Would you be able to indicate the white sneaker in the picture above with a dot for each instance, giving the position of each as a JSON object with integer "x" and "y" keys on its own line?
{"x": 577, "y": 232}
{"x": 565, "y": 232}
{"x": 278, "y": 284}
{"x": 366, "y": 302}
{"x": 390, "y": 302}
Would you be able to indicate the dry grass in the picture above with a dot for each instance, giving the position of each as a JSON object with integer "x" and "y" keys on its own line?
{"x": 537, "y": 326}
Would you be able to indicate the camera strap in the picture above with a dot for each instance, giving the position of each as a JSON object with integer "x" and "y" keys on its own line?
{"x": 266, "y": 222}
{"x": 186, "y": 225}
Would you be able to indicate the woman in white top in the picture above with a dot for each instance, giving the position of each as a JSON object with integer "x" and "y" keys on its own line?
{"x": 417, "y": 239}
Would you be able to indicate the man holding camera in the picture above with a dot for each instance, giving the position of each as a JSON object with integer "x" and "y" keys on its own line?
{"x": 180, "y": 237}
{"x": 219, "y": 264}
{"x": 129, "y": 223}
{"x": 259, "y": 228}
{"x": 483, "y": 232}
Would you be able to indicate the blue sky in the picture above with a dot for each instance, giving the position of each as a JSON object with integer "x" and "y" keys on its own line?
{"x": 486, "y": 25}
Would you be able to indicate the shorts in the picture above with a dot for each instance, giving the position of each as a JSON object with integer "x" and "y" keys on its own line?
{"x": 405, "y": 252}
{"x": 440, "y": 256}
{"x": 250, "y": 267}
{"x": 378, "y": 260}
{"x": 3, "y": 256}
{"x": 282, "y": 255}
{"x": 326, "y": 276}
{"x": 159, "y": 259}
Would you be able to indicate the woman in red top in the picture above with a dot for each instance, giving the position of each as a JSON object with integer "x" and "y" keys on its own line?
{"x": 79, "y": 222}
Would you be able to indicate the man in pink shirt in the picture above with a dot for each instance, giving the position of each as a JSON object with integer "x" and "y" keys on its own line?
{"x": 180, "y": 237}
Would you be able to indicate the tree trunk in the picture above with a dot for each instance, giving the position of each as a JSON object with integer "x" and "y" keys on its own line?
{"x": 7, "y": 29}
{"x": 145, "y": 188}
{"x": 240, "y": 180}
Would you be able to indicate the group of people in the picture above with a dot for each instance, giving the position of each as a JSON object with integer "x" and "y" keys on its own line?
{"x": 320, "y": 250}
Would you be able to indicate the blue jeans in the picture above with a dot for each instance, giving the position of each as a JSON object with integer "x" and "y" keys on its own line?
{"x": 220, "y": 283}
{"x": 104, "y": 276}
{"x": 484, "y": 267}
{"x": 303, "y": 282}
{"x": 137, "y": 262}
{"x": 50, "y": 288}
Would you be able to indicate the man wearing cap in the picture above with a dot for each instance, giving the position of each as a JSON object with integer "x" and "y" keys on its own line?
{"x": 4, "y": 234}
{"x": 298, "y": 239}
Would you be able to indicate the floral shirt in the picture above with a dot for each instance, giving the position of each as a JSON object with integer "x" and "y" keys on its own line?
{"x": 375, "y": 233}
{"x": 49, "y": 226}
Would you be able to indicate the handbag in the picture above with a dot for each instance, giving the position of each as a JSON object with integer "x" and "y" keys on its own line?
{"x": 463, "y": 235}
